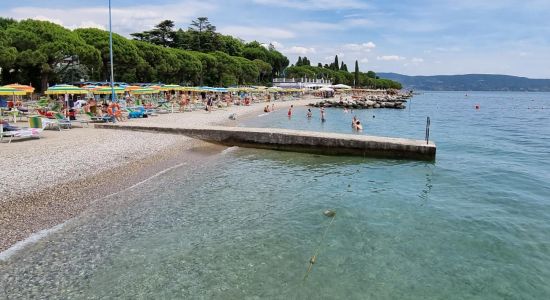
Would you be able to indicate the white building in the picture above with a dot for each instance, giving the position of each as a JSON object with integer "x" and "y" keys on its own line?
{"x": 301, "y": 83}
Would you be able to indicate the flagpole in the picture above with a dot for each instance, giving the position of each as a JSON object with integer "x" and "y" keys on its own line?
{"x": 113, "y": 95}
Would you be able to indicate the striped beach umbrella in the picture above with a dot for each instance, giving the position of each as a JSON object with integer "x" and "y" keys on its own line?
{"x": 171, "y": 87}
{"x": 7, "y": 91}
{"x": 130, "y": 88}
{"x": 62, "y": 89}
{"x": 144, "y": 91}
{"x": 25, "y": 88}
{"x": 106, "y": 90}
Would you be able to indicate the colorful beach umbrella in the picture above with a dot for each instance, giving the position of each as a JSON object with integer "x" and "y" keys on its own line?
{"x": 7, "y": 91}
{"x": 106, "y": 90}
{"x": 62, "y": 89}
{"x": 144, "y": 91}
{"x": 25, "y": 88}
{"x": 130, "y": 88}
{"x": 171, "y": 87}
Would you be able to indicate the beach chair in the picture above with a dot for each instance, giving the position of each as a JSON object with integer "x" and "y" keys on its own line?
{"x": 133, "y": 114}
{"x": 48, "y": 123}
{"x": 62, "y": 120}
{"x": 94, "y": 119}
{"x": 9, "y": 132}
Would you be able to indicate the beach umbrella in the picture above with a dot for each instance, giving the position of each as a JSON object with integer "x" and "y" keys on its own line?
{"x": 106, "y": 90}
{"x": 25, "y": 88}
{"x": 64, "y": 89}
{"x": 130, "y": 88}
{"x": 144, "y": 91}
{"x": 326, "y": 89}
{"x": 171, "y": 87}
{"x": 8, "y": 91}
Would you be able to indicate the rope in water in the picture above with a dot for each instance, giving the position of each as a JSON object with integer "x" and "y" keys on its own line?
{"x": 314, "y": 257}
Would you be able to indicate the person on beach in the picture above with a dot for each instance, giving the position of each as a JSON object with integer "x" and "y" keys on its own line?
{"x": 266, "y": 108}
{"x": 290, "y": 111}
{"x": 209, "y": 103}
{"x": 182, "y": 103}
{"x": 273, "y": 107}
{"x": 309, "y": 113}
{"x": 108, "y": 113}
{"x": 323, "y": 119}
{"x": 93, "y": 106}
{"x": 117, "y": 112}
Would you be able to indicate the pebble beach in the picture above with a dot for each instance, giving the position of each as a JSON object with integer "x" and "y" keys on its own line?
{"x": 52, "y": 179}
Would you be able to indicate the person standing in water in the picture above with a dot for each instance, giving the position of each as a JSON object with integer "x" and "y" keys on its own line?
{"x": 309, "y": 114}
{"x": 323, "y": 114}
{"x": 290, "y": 111}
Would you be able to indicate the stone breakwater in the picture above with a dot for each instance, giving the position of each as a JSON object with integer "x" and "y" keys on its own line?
{"x": 367, "y": 102}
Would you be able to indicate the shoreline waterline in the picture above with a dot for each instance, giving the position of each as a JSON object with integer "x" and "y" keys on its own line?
{"x": 45, "y": 208}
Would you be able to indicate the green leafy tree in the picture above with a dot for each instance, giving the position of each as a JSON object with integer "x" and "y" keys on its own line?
{"x": 45, "y": 49}
{"x": 264, "y": 70}
{"x": 203, "y": 35}
{"x": 126, "y": 57}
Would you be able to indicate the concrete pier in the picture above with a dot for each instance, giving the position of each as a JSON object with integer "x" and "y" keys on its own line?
{"x": 300, "y": 141}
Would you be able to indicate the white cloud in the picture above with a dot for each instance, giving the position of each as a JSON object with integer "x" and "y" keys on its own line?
{"x": 364, "y": 47}
{"x": 364, "y": 60}
{"x": 257, "y": 33}
{"x": 297, "y": 50}
{"x": 417, "y": 60}
{"x": 316, "y": 4}
{"x": 126, "y": 19}
{"x": 390, "y": 58}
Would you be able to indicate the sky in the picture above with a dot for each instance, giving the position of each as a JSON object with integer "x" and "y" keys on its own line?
{"x": 413, "y": 37}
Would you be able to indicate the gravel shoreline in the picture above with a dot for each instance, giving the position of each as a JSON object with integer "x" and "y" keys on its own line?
{"x": 48, "y": 181}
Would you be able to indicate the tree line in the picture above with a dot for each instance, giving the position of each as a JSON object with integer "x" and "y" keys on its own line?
{"x": 42, "y": 53}
{"x": 339, "y": 74}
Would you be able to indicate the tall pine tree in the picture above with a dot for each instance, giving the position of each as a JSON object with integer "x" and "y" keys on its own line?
{"x": 299, "y": 62}
{"x": 336, "y": 63}
{"x": 356, "y": 77}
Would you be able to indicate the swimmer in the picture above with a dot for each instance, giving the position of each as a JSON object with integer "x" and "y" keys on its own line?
{"x": 309, "y": 113}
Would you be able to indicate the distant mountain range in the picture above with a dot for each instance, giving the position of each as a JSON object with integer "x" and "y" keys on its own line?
{"x": 469, "y": 82}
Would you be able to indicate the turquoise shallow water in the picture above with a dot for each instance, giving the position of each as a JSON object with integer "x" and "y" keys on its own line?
{"x": 242, "y": 224}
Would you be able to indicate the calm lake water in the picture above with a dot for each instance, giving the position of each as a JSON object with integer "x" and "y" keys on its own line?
{"x": 243, "y": 223}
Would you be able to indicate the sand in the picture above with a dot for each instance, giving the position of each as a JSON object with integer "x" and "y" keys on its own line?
{"x": 49, "y": 180}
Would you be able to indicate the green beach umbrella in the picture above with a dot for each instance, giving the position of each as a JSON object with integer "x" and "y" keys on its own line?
{"x": 62, "y": 89}
{"x": 106, "y": 90}
{"x": 144, "y": 91}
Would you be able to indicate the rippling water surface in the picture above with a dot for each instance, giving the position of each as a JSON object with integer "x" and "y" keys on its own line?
{"x": 244, "y": 223}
